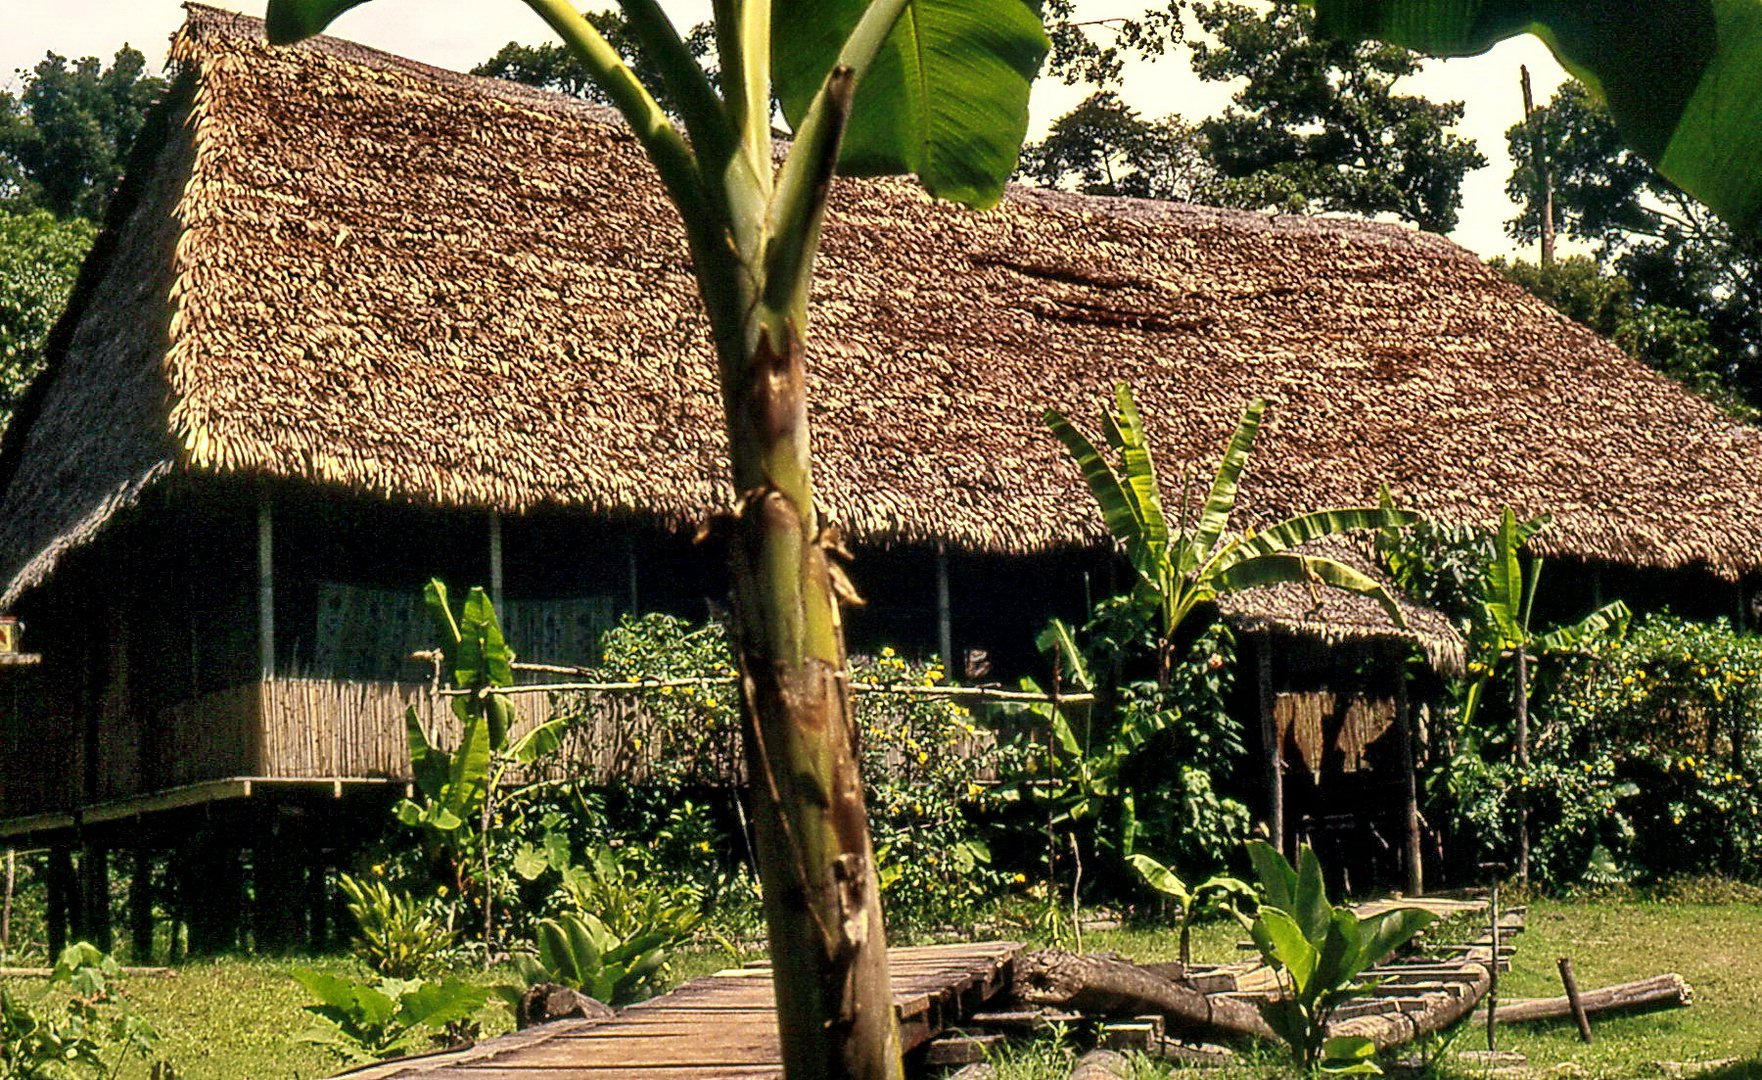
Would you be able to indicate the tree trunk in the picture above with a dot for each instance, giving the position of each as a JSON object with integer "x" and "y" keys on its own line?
{"x": 822, "y": 897}
{"x": 1101, "y": 984}
{"x": 1522, "y": 699}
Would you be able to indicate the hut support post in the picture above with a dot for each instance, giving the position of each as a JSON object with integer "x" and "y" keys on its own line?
{"x": 1409, "y": 788}
{"x": 944, "y": 611}
{"x": 266, "y": 586}
{"x": 94, "y": 894}
{"x": 1269, "y": 737}
{"x": 61, "y": 890}
{"x": 495, "y": 560}
{"x": 140, "y": 906}
{"x": 1522, "y": 695}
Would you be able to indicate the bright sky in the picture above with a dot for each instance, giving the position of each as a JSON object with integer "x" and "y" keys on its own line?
{"x": 461, "y": 33}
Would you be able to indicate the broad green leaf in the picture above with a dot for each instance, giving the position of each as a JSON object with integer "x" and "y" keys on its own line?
{"x": 439, "y": 1004}
{"x": 428, "y": 765}
{"x": 469, "y": 770}
{"x": 480, "y": 632}
{"x": 1340, "y": 948}
{"x": 1471, "y": 700}
{"x": 294, "y": 20}
{"x": 1505, "y": 580}
{"x": 332, "y": 990}
{"x": 1161, "y": 878}
{"x": 1388, "y": 931}
{"x": 945, "y": 99}
{"x": 1065, "y": 737}
{"x": 1116, "y": 507}
{"x": 1220, "y": 501}
{"x": 1349, "y": 1055}
{"x": 1278, "y": 881}
{"x": 1126, "y": 431}
{"x": 1304, "y": 528}
{"x": 1311, "y": 908}
{"x": 541, "y": 741}
{"x": 1058, "y": 642}
{"x": 555, "y": 954}
{"x": 440, "y": 612}
{"x": 1285, "y": 567}
{"x": 530, "y": 862}
{"x": 1282, "y": 942}
{"x": 1683, "y": 78}
{"x": 1610, "y": 617}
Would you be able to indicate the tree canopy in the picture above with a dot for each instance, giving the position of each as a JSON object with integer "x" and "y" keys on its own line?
{"x": 1318, "y": 124}
{"x": 1105, "y": 147}
{"x": 550, "y": 66}
{"x": 1695, "y": 282}
{"x": 39, "y": 258}
{"x": 65, "y": 136}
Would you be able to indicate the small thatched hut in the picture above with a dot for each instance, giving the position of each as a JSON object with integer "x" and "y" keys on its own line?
{"x": 354, "y": 321}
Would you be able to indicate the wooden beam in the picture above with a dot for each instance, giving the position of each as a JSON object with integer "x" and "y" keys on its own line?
{"x": 266, "y": 586}
{"x": 1409, "y": 787}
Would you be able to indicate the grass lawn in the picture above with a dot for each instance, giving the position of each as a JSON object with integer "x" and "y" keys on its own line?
{"x": 233, "y": 1018}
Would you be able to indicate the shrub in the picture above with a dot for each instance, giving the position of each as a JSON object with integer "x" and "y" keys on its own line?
{"x": 395, "y": 935}
{"x": 582, "y": 952}
{"x": 366, "y": 1021}
{"x": 77, "y": 1026}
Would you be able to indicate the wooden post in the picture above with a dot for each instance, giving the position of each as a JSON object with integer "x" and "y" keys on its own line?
{"x": 94, "y": 875}
{"x": 6, "y": 912}
{"x": 630, "y": 563}
{"x": 1539, "y": 161}
{"x": 140, "y": 907}
{"x": 1269, "y": 735}
{"x": 1572, "y": 998}
{"x": 495, "y": 559}
{"x": 944, "y": 611}
{"x": 61, "y": 906}
{"x": 1409, "y": 787}
{"x": 1522, "y": 694}
{"x": 266, "y": 586}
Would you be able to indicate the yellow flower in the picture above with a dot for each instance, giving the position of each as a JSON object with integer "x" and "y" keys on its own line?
{"x": 886, "y": 652}
{"x": 1019, "y": 879}
{"x": 379, "y": 870}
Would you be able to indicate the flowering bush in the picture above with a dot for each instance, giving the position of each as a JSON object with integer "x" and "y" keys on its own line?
{"x": 1647, "y": 759}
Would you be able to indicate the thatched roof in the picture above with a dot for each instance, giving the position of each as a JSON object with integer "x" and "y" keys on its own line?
{"x": 339, "y": 267}
{"x": 1335, "y": 616}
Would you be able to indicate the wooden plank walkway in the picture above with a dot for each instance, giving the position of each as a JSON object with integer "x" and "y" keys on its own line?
{"x": 722, "y": 1025}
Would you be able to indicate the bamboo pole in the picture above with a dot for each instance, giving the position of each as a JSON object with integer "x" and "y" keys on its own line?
{"x": 944, "y": 610}
{"x": 980, "y": 693}
{"x": 1269, "y": 735}
{"x": 495, "y": 559}
{"x": 1409, "y": 788}
{"x": 265, "y": 586}
{"x": 1573, "y": 1001}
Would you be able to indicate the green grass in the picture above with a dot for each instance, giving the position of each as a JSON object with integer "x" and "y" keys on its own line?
{"x": 232, "y": 1018}
{"x": 1717, "y": 947}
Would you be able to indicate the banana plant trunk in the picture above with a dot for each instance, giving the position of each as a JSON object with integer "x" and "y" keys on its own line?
{"x": 822, "y": 897}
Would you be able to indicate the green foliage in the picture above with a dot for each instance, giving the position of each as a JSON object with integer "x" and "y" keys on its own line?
{"x": 615, "y": 890}
{"x": 927, "y": 766}
{"x": 1181, "y": 565}
{"x": 1317, "y": 124}
{"x": 65, "y": 136}
{"x": 1104, "y": 147}
{"x": 578, "y": 950}
{"x": 1322, "y": 951}
{"x": 1217, "y": 892}
{"x": 77, "y": 1026}
{"x": 395, "y": 935}
{"x": 39, "y": 259}
{"x": 366, "y": 1021}
{"x": 1673, "y": 74}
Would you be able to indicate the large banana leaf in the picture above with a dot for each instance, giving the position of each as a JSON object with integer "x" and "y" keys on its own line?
{"x": 1125, "y": 431}
{"x": 1505, "y": 590}
{"x": 1214, "y": 518}
{"x": 1597, "y": 623}
{"x": 1683, "y": 78}
{"x": 946, "y": 99}
{"x": 1284, "y": 567}
{"x": 1116, "y": 507}
{"x": 1297, "y": 531}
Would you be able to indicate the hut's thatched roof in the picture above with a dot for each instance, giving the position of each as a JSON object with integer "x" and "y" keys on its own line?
{"x": 336, "y": 266}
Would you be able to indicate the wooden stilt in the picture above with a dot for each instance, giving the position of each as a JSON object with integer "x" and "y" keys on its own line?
{"x": 1409, "y": 789}
{"x": 94, "y": 880}
{"x": 140, "y": 907}
{"x": 1269, "y": 737}
{"x": 495, "y": 559}
{"x": 944, "y": 611}
{"x": 266, "y": 586}
{"x": 61, "y": 889}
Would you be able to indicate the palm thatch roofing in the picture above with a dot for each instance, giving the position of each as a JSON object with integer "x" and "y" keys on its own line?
{"x": 334, "y": 266}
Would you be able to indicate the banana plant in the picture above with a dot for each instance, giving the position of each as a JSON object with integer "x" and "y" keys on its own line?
{"x": 577, "y": 950}
{"x": 939, "y": 88}
{"x": 1502, "y": 632}
{"x": 1321, "y": 952}
{"x": 1215, "y": 892}
{"x": 1180, "y": 567}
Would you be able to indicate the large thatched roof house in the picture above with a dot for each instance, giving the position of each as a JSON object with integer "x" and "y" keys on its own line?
{"x": 355, "y": 320}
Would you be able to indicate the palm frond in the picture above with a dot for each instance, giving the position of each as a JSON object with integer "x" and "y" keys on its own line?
{"x": 1214, "y": 518}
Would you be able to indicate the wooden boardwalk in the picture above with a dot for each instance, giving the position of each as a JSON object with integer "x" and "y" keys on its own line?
{"x": 722, "y": 1025}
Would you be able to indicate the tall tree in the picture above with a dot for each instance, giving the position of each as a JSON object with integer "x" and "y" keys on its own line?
{"x": 1697, "y": 279}
{"x": 39, "y": 258}
{"x": 550, "y": 66}
{"x": 1104, "y": 147}
{"x": 65, "y": 136}
{"x": 1318, "y": 124}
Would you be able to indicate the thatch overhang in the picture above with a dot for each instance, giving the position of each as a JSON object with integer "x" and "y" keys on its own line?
{"x": 338, "y": 267}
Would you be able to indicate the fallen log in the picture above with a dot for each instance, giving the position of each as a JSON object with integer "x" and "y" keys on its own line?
{"x": 1668, "y": 991}
{"x": 1435, "y": 1012}
{"x": 1106, "y": 986}
{"x": 44, "y": 973}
